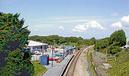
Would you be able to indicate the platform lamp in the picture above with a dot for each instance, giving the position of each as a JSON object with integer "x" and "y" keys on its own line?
{"x": 52, "y": 54}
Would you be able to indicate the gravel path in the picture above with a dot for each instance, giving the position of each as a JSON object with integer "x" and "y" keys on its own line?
{"x": 81, "y": 68}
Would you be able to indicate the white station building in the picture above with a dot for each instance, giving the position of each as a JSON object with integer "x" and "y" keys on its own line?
{"x": 37, "y": 46}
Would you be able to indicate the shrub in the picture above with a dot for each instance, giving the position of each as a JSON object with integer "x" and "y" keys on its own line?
{"x": 115, "y": 50}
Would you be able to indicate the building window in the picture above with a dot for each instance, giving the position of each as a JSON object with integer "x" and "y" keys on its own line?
{"x": 41, "y": 47}
{"x": 128, "y": 43}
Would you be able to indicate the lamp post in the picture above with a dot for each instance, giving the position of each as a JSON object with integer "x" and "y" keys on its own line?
{"x": 42, "y": 48}
{"x": 52, "y": 55}
{"x": 63, "y": 51}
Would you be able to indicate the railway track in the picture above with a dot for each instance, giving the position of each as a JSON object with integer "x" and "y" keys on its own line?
{"x": 70, "y": 70}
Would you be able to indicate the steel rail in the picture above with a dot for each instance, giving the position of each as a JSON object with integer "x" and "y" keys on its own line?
{"x": 71, "y": 69}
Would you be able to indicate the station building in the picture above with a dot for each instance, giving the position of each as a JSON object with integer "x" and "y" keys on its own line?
{"x": 36, "y": 46}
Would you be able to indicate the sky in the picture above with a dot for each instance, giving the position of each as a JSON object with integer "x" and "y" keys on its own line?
{"x": 78, "y": 18}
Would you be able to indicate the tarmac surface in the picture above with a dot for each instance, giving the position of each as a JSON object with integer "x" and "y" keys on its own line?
{"x": 99, "y": 62}
{"x": 57, "y": 67}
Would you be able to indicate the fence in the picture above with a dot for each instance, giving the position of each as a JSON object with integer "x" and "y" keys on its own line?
{"x": 35, "y": 57}
{"x": 99, "y": 54}
{"x": 89, "y": 69}
{"x": 66, "y": 52}
{"x": 102, "y": 55}
{"x": 40, "y": 50}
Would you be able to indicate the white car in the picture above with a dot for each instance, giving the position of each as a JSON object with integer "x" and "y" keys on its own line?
{"x": 37, "y": 52}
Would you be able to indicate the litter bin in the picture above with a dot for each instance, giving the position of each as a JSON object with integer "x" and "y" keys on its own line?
{"x": 44, "y": 60}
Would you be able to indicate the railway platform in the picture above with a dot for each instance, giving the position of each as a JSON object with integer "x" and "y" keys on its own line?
{"x": 57, "y": 67}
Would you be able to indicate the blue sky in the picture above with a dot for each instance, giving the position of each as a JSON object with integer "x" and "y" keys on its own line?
{"x": 85, "y": 18}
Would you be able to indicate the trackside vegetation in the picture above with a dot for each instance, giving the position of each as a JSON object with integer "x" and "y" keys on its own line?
{"x": 92, "y": 66}
{"x": 112, "y": 45}
{"x": 120, "y": 67}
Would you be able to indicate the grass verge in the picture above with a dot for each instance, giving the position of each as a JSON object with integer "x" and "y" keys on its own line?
{"x": 90, "y": 59}
{"x": 38, "y": 69}
{"x": 120, "y": 67}
{"x": 92, "y": 66}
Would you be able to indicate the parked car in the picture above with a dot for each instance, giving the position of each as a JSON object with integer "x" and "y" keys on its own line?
{"x": 54, "y": 58}
{"x": 57, "y": 54}
{"x": 37, "y": 53}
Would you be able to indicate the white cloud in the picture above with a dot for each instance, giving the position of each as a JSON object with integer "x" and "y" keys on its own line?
{"x": 117, "y": 24}
{"x": 84, "y": 27}
{"x": 80, "y": 28}
{"x": 61, "y": 27}
{"x": 95, "y": 24}
{"x": 114, "y": 14}
{"x": 125, "y": 21}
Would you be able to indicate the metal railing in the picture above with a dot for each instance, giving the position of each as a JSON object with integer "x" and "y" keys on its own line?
{"x": 62, "y": 57}
{"x": 40, "y": 50}
{"x": 35, "y": 57}
{"x": 102, "y": 55}
{"x": 99, "y": 54}
{"x": 89, "y": 69}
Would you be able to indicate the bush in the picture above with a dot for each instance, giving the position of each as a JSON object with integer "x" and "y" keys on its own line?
{"x": 121, "y": 66}
{"x": 78, "y": 47}
{"x": 118, "y": 54}
{"x": 127, "y": 49}
{"x": 115, "y": 50}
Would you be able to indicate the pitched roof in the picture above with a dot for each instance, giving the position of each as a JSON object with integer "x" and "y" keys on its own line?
{"x": 35, "y": 43}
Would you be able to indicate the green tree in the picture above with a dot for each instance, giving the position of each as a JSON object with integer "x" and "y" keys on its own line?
{"x": 17, "y": 61}
{"x": 13, "y": 37}
{"x": 62, "y": 40}
{"x": 93, "y": 40}
{"x": 80, "y": 38}
{"x": 115, "y": 50}
{"x": 118, "y": 36}
{"x": 103, "y": 43}
{"x": 55, "y": 39}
